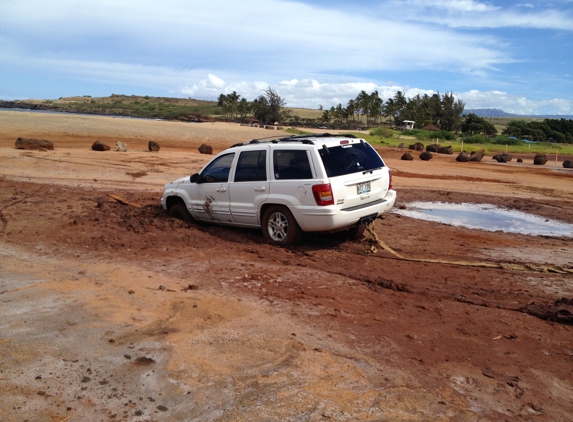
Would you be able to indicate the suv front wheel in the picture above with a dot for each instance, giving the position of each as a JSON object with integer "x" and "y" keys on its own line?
{"x": 279, "y": 226}
{"x": 179, "y": 211}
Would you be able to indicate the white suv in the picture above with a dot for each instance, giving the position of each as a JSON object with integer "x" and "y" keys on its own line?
{"x": 287, "y": 186}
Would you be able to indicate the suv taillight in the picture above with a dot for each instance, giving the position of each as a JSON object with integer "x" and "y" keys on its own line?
{"x": 390, "y": 181}
{"x": 323, "y": 194}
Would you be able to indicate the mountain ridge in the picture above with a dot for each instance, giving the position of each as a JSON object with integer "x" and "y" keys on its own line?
{"x": 495, "y": 112}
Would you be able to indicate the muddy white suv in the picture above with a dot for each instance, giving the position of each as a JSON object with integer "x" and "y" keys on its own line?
{"x": 287, "y": 186}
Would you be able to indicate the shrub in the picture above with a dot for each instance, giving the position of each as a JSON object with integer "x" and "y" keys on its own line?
{"x": 506, "y": 140}
{"x": 476, "y": 139}
{"x": 414, "y": 132}
{"x": 382, "y": 132}
{"x": 443, "y": 134}
{"x": 426, "y": 134}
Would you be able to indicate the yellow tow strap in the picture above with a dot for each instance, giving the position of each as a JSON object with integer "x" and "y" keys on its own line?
{"x": 517, "y": 267}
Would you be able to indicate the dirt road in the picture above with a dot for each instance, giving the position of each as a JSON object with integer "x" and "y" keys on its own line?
{"x": 116, "y": 312}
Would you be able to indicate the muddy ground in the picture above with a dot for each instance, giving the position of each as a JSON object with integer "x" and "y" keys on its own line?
{"x": 116, "y": 312}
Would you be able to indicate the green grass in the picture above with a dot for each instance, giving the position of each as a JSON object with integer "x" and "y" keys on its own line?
{"x": 176, "y": 108}
{"x": 295, "y": 131}
{"x": 491, "y": 149}
{"x": 306, "y": 113}
{"x": 134, "y": 106}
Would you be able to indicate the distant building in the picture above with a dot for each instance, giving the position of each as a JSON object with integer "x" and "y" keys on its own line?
{"x": 408, "y": 124}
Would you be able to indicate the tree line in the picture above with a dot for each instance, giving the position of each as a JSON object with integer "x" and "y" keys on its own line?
{"x": 444, "y": 112}
{"x": 553, "y": 130}
{"x": 368, "y": 110}
{"x": 267, "y": 108}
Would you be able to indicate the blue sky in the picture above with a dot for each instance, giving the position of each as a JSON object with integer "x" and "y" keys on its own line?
{"x": 515, "y": 56}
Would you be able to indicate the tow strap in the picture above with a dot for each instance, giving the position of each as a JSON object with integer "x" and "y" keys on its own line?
{"x": 371, "y": 248}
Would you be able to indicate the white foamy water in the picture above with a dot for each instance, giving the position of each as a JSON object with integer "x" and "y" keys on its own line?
{"x": 486, "y": 217}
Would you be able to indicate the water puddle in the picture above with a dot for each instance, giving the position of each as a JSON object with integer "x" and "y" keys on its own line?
{"x": 486, "y": 217}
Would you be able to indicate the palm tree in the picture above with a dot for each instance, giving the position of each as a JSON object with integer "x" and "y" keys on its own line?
{"x": 244, "y": 108}
{"x": 351, "y": 110}
{"x": 390, "y": 109}
{"x": 376, "y": 104}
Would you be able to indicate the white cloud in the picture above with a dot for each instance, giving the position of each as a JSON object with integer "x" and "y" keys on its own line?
{"x": 517, "y": 104}
{"x": 453, "y": 5}
{"x": 306, "y": 93}
{"x": 309, "y": 93}
{"x": 471, "y": 14}
{"x": 222, "y": 35}
{"x": 548, "y": 19}
{"x": 312, "y": 55}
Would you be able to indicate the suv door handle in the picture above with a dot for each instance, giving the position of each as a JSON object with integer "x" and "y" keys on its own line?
{"x": 260, "y": 189}
{"x": 221, "y": 189}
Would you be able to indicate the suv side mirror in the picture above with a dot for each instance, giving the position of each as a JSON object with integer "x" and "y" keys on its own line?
{"x": 195, "y": 178}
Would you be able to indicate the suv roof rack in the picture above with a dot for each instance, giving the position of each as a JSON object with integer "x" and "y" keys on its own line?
{"x": 304, "y": 139}
{"x": 322, "y": 135}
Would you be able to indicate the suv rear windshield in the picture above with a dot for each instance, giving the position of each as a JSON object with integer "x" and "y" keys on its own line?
{"x": 347, "y": 159}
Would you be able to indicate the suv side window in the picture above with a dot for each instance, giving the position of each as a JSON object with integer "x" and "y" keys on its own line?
{"x": 291, "y": 164}
{"x": 251, "y": 166}
{"x": 218, "y": 170}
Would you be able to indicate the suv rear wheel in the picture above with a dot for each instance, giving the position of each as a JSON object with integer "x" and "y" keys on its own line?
{"x": 279, "y": 226}
{"x": 356, "y": 232}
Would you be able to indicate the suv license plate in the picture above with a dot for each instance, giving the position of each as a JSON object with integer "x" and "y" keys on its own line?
{"x": 363, "y": 188}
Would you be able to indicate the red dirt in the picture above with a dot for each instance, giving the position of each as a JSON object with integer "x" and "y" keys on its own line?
{"x": 117, "y": 312}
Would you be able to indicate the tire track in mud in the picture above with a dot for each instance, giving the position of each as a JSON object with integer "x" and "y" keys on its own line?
{"x": 559, "y": 311}
{"x": 3, "y": 219}
{"x": 310, "y": 253}
{"x": 545, "y": 308}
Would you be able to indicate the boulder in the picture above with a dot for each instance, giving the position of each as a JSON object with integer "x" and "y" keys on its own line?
{"x": 463, "y": 157}
{"x": 205, "y": 149}
{"x": 477, "y": 155}
{"x": 402, "y": 145}
{"x": 121, "y": 146}
{"x": 502, "y": 158}
{"x": 539, "y": 159}
{"x": 100, "y": 146}
{"x": 446, "y": 150}
{"x": 417, "y": 146}
{"x": 520, "y": 160}
{"x": 153, "y": 146}
{"x": 433, "y": 147}
{"x": 426, "y": 156}
{"x": 568, "y": 164}
{"x": 40, "y": 144}
{"x": 407, "y": 157}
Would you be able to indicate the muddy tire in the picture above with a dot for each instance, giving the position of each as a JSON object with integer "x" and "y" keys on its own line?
{"x": 179, "y": 211}
{"x": 356, "y": 232}
{"x": 280, "y": 227}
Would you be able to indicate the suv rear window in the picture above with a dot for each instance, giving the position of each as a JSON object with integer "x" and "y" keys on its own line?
{"x": 291, "y": 164}
{"x": 351, "y": 158}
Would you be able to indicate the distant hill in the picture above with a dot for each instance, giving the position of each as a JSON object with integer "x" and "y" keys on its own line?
{"x": 495, "y": 112}
{"x": 489, "y": 112}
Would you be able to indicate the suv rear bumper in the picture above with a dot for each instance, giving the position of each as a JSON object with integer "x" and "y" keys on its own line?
{"x": 316, "y": 219}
